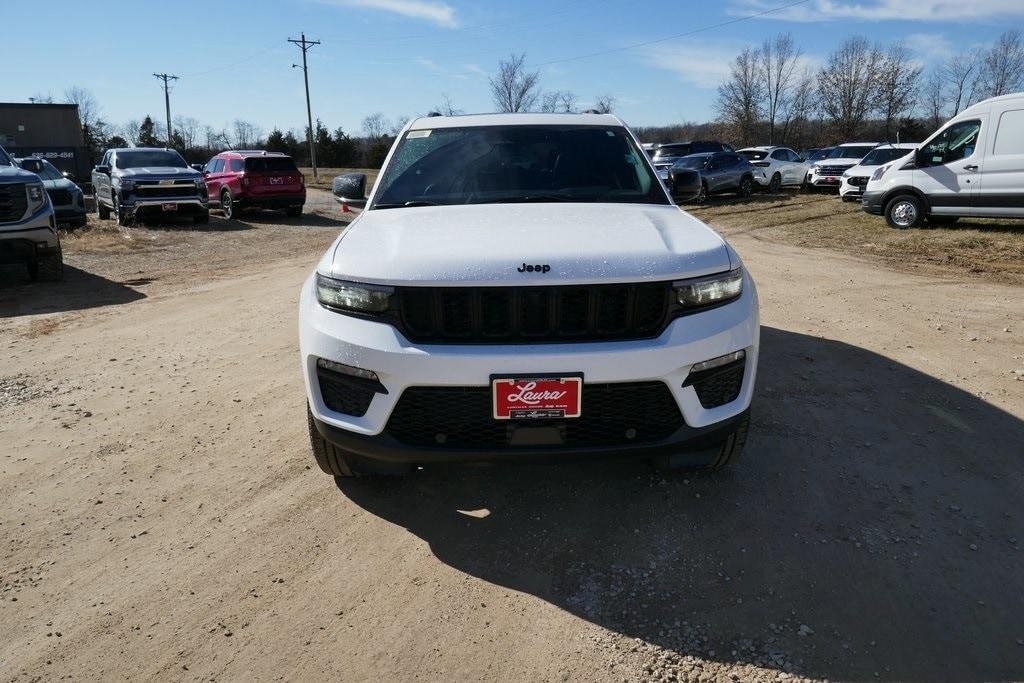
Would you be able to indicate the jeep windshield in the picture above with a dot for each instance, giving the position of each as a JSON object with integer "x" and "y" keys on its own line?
{"x": 156, "y": 157}
{"x": 515, "y": 164}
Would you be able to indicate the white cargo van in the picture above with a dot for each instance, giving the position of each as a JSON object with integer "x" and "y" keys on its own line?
{"x": 973, "y": 166}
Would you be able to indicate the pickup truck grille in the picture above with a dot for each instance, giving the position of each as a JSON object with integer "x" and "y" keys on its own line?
{"x": 162, "y": 191}
{"x": 460, "y": 417}
{"x": 502, "y": 315}
{"x": 13, "y": 202}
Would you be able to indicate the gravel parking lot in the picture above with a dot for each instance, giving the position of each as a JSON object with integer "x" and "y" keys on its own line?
{"x": 163, "y": 516}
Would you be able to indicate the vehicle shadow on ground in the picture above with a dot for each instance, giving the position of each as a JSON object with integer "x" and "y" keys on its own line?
{"x": 306, "y": 220}
{"x": 871, "y": 531}
{"x": 78, "y": 291}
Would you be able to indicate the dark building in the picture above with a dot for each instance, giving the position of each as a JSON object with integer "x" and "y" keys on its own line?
{"x": 50, "y": 131}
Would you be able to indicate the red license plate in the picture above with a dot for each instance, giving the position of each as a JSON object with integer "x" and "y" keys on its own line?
{"x": 169, "y": 207}
{"x": 277, "y": 181}
{"x": 536, "y": 398}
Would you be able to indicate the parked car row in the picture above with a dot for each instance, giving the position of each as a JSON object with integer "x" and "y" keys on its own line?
{"x": 142, "y": 182}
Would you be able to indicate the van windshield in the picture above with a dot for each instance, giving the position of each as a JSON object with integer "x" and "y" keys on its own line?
{"x": 511, "y": 164}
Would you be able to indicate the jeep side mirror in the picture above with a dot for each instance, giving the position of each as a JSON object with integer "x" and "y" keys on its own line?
{"x": 105, "y": 170}
{"x": 350, "y": 188}
{"x": 684, "y": 184}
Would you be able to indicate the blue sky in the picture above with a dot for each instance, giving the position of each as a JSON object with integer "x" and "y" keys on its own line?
{"x": 399, "y": 57}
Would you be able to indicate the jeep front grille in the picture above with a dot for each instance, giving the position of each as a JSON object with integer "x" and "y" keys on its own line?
{"x": 496, "y": 315}
{"x": 460, "y": 417}
{"x": 13, "y": 202}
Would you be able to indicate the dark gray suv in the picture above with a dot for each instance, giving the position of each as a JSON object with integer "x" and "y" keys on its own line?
{"x": 720, "y": 172}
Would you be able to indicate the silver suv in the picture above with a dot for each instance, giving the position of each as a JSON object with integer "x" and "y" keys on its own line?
{"x": 28, "y": 229}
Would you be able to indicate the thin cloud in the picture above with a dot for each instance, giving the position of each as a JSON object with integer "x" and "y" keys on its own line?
{"x": 693, "y": 64}
{"x": 930, "y": 47}
{"x": 885, "y": 10}
{"x": 428, "y": 10}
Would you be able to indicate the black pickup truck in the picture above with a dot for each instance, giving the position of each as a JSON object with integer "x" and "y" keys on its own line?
{"x": 143, "y": 182}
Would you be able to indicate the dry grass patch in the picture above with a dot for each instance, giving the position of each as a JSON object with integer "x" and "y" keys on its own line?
{"x": 994, "y": 247}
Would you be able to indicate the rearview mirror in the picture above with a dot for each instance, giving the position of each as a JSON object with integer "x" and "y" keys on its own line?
{"x": 105, "y": 170}
{"x": 350, "y": 188}
{"x": 684, "y": 184}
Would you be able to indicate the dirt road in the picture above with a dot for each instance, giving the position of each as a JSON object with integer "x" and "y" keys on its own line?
{"x": 162, "y": 516}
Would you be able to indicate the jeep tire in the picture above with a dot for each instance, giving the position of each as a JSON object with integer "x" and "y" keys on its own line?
{"x": 725, "y": 453}
{"x": 344, "y": 465}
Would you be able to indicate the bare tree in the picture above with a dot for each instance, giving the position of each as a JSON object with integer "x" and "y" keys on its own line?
{"x": 558, "y": 101}
{"x": 933, "y": 98}
{"x": 186, "y": 129}
{"x": 961, "y": 77}
{"x": 40, "y": 98}
{"x": 800, "y": 105}
{"x": 740, "y": 97}
{"x": 604, "y": 104}
{"x": 447, "y": 107}
{"x": 513, "y": 88}
{"x": 88, "y": 110}
{"x": 245, "y": 135}
{"x": 215, "y": 139}
{"x": 846, "y": 85}
{"x": 778, "y": 62}
{"x": 399, "y": 124}
{"x": 375, "y": 126}
{"x": 129, "y": 130}
{"x": 1003, "y": 65}
{"x": 897, "y": 84}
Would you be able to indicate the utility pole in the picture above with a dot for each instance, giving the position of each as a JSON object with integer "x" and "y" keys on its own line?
{"x": 167, "y": 101}
{"x": 305, "y": 45}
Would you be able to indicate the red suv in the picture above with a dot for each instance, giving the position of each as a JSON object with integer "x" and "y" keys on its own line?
{"x": 240, "y": 179}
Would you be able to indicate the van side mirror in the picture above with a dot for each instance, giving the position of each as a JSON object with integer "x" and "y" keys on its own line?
{"x": 105, "y": 170}
{"x": 350, "y": 188}
{"x": 684, "y": 184}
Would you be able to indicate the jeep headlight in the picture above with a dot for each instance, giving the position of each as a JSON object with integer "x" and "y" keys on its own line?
{"x": 37, "y": 197}
{"x": 713, "y": 289}
{"x": 352, "y": 296}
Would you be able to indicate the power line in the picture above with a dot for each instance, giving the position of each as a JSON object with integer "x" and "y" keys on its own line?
{"x": 167, "y": 100}
{"x": 305, "y": 46}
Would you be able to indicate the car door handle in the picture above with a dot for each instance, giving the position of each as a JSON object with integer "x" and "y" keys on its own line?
{"x": 970, "y": 167}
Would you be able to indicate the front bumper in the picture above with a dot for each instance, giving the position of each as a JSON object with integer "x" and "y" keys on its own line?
{"x": 40, "y": 229}
{"x": 829, "y": 181}
{"x": 871, "y": 202}
{"x": 401, "y": 364}
{"x": 184, "y": 206}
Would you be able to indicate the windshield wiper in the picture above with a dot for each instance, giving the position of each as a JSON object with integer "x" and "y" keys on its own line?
{"x": 526, "y": 199}
{"x": 399, "y": 205}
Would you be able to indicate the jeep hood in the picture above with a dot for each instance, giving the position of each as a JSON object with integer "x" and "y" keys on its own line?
{"x": 487, "y": 244}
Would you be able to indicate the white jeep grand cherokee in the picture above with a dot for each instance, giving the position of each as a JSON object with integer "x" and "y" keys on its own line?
{"x": 519, "y": 286}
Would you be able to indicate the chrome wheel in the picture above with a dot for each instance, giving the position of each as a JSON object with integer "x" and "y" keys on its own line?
{"x": 904, "y": 214}
{"x": 227, "y": 205}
